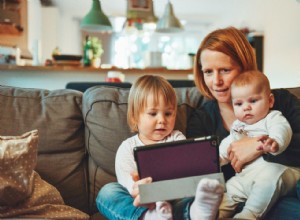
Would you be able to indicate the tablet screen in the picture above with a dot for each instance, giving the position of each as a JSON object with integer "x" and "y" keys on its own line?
{"x": 178, "y": 159}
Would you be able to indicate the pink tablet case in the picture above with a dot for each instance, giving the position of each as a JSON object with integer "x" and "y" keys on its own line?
{"x": 179, "y": 159}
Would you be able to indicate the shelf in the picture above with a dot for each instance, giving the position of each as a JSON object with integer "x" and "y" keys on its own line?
{"x": 10, "y": 29}
{"x": 90, "y": 69}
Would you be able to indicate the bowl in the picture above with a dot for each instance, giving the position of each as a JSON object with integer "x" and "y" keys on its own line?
{"x": 66, "y": 57}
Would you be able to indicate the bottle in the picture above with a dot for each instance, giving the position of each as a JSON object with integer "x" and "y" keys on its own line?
{"x": 17, "y": 55}
{"x": 87, "y": 51}
{"x": 56, "y": 51}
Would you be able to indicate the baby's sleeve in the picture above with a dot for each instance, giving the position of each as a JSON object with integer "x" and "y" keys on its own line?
{"x": 224, "y": 145}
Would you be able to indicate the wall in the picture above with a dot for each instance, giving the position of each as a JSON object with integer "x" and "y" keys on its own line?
{"x": 34, "y": 30}
{"x": 278, "y": 20}
{"x": 49, "y": 32}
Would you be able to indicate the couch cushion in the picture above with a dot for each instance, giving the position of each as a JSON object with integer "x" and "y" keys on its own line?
{"x": 58, "y": 118}
{"x": 105, "y": 112}
{"x": 287, "y": 208}
{"x": 295, "y": 91}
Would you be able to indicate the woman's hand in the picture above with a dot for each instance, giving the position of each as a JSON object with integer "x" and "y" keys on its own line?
{"x": 244, "y": 151}
{"x": 135, "y": 191}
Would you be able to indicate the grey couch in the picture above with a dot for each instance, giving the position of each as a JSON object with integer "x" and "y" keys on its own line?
{"x": 79, "y": 134}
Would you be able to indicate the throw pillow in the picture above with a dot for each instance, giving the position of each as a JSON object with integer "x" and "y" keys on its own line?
{"x": 23, "y": 193}
{"x": 18, "y": 158}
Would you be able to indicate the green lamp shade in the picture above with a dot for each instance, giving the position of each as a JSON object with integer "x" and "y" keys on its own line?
{"x": 168, "y": 23}
{"x": 96, "y": 20}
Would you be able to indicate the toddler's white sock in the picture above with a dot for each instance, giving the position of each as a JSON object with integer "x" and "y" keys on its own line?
{"x": 208, "y": 197}
{"x": 163, "y": 211}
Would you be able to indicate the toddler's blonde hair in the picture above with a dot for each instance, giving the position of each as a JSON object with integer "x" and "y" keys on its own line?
{"x": 144, "y": 86}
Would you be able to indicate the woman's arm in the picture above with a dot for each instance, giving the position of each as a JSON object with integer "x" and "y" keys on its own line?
{"x": 289, "y": 105}
{"x": 244, "y": 151}
{"x": 199, "y": 124}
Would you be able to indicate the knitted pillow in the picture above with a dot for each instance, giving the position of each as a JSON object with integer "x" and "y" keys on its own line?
{"x": 18, "y": 157}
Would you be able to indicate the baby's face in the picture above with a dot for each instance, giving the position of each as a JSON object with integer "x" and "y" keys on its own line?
{"x": 250, "y": 104}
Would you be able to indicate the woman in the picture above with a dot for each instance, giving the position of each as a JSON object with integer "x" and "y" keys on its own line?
{"x": 222, "y": 55}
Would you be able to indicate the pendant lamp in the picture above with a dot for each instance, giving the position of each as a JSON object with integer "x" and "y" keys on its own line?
{"x": 142, "y": 15}
{"x": 151, "y": 18}
{"x": 96, "y": 20}
{"x": 168, "y": 22}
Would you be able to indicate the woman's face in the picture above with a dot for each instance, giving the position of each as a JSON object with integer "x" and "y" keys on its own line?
{"x": 219, "y": 71}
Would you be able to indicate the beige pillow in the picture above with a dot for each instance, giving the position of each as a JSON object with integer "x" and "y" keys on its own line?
{"x": 18, "y": 158}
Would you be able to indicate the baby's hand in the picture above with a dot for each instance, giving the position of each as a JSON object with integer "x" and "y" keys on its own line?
{"x": 269, "y": 145}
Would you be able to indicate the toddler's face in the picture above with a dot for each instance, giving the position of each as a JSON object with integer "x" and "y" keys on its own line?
{"x": 156, "y": 121}
{"x": 249, "y": 104}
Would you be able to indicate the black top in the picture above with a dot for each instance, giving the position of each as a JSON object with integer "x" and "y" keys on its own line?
{"x": 206, "y": 120}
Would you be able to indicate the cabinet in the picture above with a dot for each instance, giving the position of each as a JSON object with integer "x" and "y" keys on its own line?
{"x": 10, "y": 17}
{"x": 14, "y": 25}
{"x": 257, "y": 42}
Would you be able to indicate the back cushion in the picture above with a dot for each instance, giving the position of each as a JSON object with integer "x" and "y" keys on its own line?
{"x": 105, "y": 115}
{"x": 57, "y": 116}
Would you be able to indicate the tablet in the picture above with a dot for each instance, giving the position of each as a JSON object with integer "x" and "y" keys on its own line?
{"x": 178, "y": 159}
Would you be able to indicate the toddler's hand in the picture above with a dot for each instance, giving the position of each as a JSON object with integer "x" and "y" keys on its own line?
{"x": 135, "y": 190}
{"x": 135, "y": 176}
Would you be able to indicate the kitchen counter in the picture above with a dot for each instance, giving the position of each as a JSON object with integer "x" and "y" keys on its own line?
{"x": 89, "y": 69}
{"x": 56, "y": 77}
